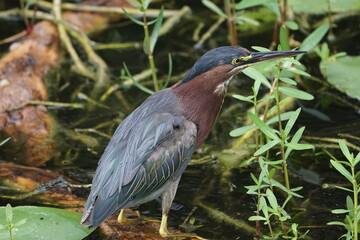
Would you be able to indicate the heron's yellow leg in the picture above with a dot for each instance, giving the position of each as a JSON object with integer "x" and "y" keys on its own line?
{"x": 165, "y": 233}
{"x": 163, "y": 226}
{"x": 123, "y": 220}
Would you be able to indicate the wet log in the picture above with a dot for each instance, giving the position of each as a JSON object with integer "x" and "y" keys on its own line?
{"x": 21, "y": 80}
{"x": 21, "y": 74}
{"x": 41, "y": 186}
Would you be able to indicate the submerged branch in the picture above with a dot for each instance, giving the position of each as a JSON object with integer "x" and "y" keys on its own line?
{"x": 101, "y": 9}
{"x": 48, "y": 103}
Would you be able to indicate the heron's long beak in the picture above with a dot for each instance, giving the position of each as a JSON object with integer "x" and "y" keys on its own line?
{"x": 256, "y": 57}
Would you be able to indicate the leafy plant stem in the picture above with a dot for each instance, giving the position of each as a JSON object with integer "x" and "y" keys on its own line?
{"x": 271, "y": 231}
{"x": 273, "y": 86}
{"x": 256, "y": 131}
{"x": 283, "y": 137}
{"x": 356, "y": 200}
{"x": 150, "y": 55}
{"x": 330, "y": 18}
{"x": 258, "y": 211}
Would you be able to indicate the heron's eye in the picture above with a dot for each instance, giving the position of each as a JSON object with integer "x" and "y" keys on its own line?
{"x": 236, "y": 61}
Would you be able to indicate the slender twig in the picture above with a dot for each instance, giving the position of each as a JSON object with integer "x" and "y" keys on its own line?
{"x": 230, "y": 22}
{"x": 67, "y": 42}
{"x": 83, "y": 39}
{"x": 172, "y": 20}
{"x": 13, "y": 38}
{"x": 105, "y": 46}
{"x": 209, "y": 32}
{"x": 92, "y": 130}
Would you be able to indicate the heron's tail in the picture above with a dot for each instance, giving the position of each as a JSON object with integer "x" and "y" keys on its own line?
{"x": 98, "y": 209}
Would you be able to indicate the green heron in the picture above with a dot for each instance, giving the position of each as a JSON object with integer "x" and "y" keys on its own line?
{"x": 151, "y": 148}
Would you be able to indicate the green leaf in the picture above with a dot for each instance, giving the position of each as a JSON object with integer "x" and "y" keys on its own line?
{"x": 314, "y": 38}
{"x": 299, "y": 146}
{"x": 272, "y": 199}
{"x": 136, "y": 83}
{"x": 137, "y": 3}
{"x": 254, "y": 179}
{"x": 5, "y": 141}
{"x": 340, "y": 168}
{"x": 293, "y": 61}
{"x": 282, "y": 187}
{"x": 260, "y": 49}
{"x": 288, "y": 80}
{"x": 297, "y": 136}
{"x": 21, "y": 222}
{"x": 152, "y": 22}
{"x": 145, "y": 4}
{"x": 345, "y": 150}
{"x": 345, "y": 189}
{"x": 169, "y": 72}
{"x": 256, "y": 218}
{"x": 256, "y": 87}
{"x": 291, "y": 122}
{"x": 296, "y": 93}
{"x": 256, "y": 75}
{"x": 155, "y": 32}
{"x": 274, "y": 162}
{"x": 262, "y": 126}
{"x": 9, "y": 213}
{"x": 297, "y": 71}
{"x": 132, "y": 18}
{"x": 263, "y": 207}
{"x": 337, "y": 223}
{"x": 340, "y": 211}
{"x": 284, "y": 116}
{"x": 311, "y": 7}
{"x": 213, "y": 7}
{"x": 243, "y": 98}
{"x": 146, "y": 45}
{"x": 240, "y": 131}
{"x": 46, "y": 223}
{"x": 271, "y": 173}
{"x": 251, "y": 3}
{"x": 344, "y": 75}
{"x": 292, "y": 25}
{"x": 267, "y": 146}
{"x": 349, "y": 203}
{"x": 296, "y": 189}
{"x": 357, "y": 159}
{"x": 284, "y": 42}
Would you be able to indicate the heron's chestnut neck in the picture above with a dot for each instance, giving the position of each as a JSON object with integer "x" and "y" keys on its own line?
{"x": 201, "y": 98}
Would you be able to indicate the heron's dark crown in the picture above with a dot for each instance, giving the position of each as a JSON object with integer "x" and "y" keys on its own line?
{"x": 213, "y": 58}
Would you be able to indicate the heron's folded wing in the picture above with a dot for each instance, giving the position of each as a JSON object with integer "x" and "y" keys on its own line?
{"x": 157, "y": 148}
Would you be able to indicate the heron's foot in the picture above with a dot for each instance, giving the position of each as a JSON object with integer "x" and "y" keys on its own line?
{"x": 123, "y": 220}
{"x": 164, "y": 232}
{"x": 182, "y": 236}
